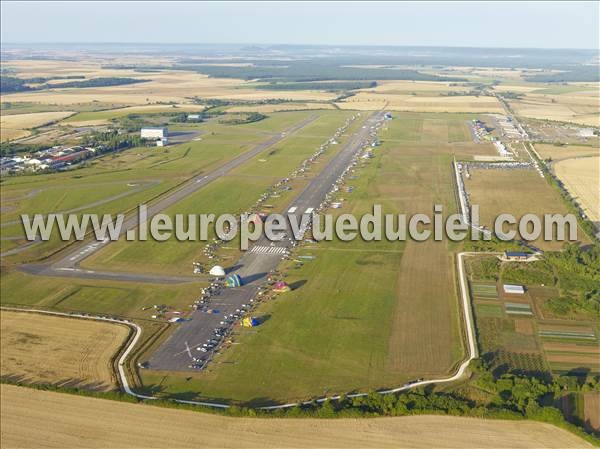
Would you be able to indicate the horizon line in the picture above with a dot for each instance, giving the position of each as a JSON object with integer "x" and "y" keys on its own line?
{"x": 597, "y": 49}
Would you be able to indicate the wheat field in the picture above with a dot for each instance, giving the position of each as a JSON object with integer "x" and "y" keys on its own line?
{"x": 33, "y": 418}
{"x": 61, "y": 351}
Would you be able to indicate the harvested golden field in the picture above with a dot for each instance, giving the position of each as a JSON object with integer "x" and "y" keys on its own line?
{"x": 576, "y": 107}
{"x": 16, "y": 125}
{"x": 581, "y": 178}
{"x": 267, "y": 108}
{"x": 496, "y": 73}
{"x": 11, "y": 134}
{"x": 162, "y": 87}
{"x": 408, "y": 87}
{"x": 90, "y": 68}
{"x": 592, "y": 410}
{"x": 417, "y": 103}
{"x": 518, "y": 88}
{"x": 556, "y": 152}
{"x": 62, "y": 351}
{"x": 516, "y": 192}
{"x": 32, "y": 418}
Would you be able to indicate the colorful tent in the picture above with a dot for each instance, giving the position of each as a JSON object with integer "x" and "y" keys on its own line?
{"x": 250, "y": 322}
{"x": 233, "y": 280}
{"x": 217, "y": 270}
{"x": 281, "y": 287}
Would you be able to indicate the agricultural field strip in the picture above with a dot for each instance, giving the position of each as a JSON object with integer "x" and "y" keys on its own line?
{"x": 67, "y": 266}
{"x": 572, "y": 335}
{"x": 466, "y": 310}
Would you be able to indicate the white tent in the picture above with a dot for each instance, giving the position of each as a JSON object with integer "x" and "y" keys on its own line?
{"x": 217, "y": 270}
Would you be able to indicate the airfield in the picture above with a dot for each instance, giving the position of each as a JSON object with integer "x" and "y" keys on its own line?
{"x": 356, "y": 317}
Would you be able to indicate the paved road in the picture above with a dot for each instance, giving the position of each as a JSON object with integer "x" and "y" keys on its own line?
{"x": 177, "y": 352}
{"x": 67, "y": 266}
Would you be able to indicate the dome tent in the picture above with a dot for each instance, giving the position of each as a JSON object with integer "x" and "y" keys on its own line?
{"x": 233, "y": 280}
{"x": 217, "y": 270}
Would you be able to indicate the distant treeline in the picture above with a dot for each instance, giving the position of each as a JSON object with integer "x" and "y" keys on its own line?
{"x": 304, "y": 71}
{"x": 584, "y": 73}
{"x": 406, "y": 56}
{"x": 102, "y": 82}
{"x": 9, "y": 84}
{"x": 332, "y": 86}
{"x": 297, "y": 71}
{"x": 573, "y": 64}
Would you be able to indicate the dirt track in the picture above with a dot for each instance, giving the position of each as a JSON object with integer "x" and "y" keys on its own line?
{"x": 32, "y": 418}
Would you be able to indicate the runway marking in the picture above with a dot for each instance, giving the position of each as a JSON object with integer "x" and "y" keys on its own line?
{"x": 268, "y": 250}
{"x": 292, "y": 210}
{"x": 187, "y": 348}
{"x": 309, "y": 210}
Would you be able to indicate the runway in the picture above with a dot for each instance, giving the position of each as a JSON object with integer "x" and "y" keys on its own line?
{"x": 263, "y": 257}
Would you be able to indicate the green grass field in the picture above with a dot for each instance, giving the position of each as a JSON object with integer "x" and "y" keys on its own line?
{"x": 160, "y": 170}
{"x": 95, "y": 296}
{"x": 489, "y": 310}
{"x": 232, "y": 194}
{"x": 488, "y": 291}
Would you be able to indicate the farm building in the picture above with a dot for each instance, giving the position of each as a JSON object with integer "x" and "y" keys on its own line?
{"x": 514, "y": 289}
{"x": 154, "y": 133}
{"x": 516, "y": 256}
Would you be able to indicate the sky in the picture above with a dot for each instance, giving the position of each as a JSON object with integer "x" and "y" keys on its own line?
{"x": 543, "y": 24}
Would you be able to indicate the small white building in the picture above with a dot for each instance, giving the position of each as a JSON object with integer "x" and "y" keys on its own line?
{"x": 514, "y": 289}
{"x": 193, "y": 117}
{"x": 154, "y": 133}
{"x": 162, "y": 142}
